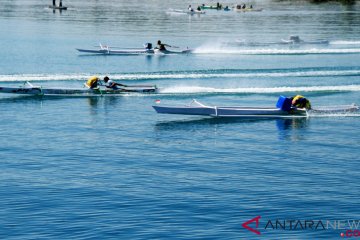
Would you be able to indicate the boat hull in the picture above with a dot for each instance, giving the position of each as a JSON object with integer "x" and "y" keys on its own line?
{"x": 77, "y": 91}
{"x": 320, "y": 42}
{"x": 186, "y": 11}
{"x": 57, "y": 7}
{"x": 117, "y": 52}
{"x": 253, "y": 112}
{"x": 132, "y": 52}
{"x": 164, "y": 52}
{"x": 211, "y": 7}
{"x": 248, "y": 9}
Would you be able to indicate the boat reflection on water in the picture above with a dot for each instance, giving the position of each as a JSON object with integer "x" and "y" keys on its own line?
{"x": 103, "y": 104}
{"x": 291, "y": 123}
{"x": 289, "y": 128}
{"x": 292, "y": 129}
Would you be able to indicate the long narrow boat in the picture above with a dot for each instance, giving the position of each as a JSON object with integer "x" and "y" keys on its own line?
{"x": 116, "y": 51}
{"x": 147, "y": 49}
{"x": 215, "y": 7}
{"x": 197, "y": 108}
{"x": 179, "y": 11}
{"x": 184, "y": 51}
{"x": 132, "y": 51}
{"x": 297, "y": 40}
{"x": 38, "y": 90}
{"x": 248, "y": 9}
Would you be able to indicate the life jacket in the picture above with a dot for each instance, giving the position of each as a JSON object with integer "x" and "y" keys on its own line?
{"x": 301, "y": 102}
{"x": 92, "y": 82}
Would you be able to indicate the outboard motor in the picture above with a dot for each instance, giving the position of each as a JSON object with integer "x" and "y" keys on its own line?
{"x": 147, "y": 46}
{"x": 295, "y": 39}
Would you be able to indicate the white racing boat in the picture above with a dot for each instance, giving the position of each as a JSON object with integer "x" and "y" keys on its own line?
{"x": 164, "y": 52}
{"x": 107, "y": 50}
{"x": 148, "y": 49}
{"x": 293, "y": 41}
{"x": 179, "y": 11}
{"x": 248, "y": 9}
{"x": 197, "y": 108}
{"x": 30, "y": 89}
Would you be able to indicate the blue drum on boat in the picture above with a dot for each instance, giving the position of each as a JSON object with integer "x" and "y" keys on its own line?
{"x": 284, "y": 103}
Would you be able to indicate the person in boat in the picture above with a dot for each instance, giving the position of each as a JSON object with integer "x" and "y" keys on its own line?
{"x": 60, "y": 4}
{"x": 300, "y": 102}
{"x": 92, "y": 82}
{"x": 244, "y": 6}
{"x": 111, "y": 84}
{"x": 190, "y": 8}
{"x": 54, "y": 3}
{"x": 162, "y": 46}
{"x": 198, "y": 8}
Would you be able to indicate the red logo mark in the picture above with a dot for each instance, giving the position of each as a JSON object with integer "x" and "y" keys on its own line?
{"x": 351, "y": 233}
{"x": 256, "y": 219}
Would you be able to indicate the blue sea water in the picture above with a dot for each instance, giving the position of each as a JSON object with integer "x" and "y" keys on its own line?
{"x": 111, "y": 168}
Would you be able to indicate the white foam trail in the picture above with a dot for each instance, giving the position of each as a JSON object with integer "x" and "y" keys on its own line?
{"x": 199, "y": 89}
{"x": 204, "y": 50}
{"x": 236, "y": 75}
{"x": 346, "y": 114}
{"x": 160, "y": 76}
{"x": 345, "y": 42}
{"x": 43, "y": 77}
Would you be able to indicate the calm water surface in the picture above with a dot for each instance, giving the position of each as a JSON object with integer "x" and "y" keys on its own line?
{"x": 111, "y": 168}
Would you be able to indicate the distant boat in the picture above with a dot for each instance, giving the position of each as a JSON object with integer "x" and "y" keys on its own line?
{"x": 248, "y": 9}
{"x": 57, "y": 7}
{"x": 185, "y": 11}
{"x": 293, "y": 39}
{"x": 216, "y": 7}
{"x": 243, "y": 8}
